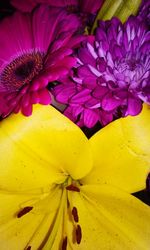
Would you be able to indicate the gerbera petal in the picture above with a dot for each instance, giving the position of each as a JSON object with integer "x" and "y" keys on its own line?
{"x": 26, "y": 109}
{"x": 91, "y": 7}
{"x": 122, "y": 153}
{"x": 44, "y": 96}
{"x": 25, "y": 6}
{"x": 59, "y": 148}
{"x": 40, "y": 54}
{"x": 19, "y": 44}
{"x": 5, "y": 109}
{"x": 48, "y": 16}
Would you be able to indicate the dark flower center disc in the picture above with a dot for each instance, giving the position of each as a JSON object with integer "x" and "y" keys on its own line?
{"x": 21, "y": 71}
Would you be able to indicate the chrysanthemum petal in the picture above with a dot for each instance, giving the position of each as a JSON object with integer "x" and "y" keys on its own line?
{"x": 122, "y": 153}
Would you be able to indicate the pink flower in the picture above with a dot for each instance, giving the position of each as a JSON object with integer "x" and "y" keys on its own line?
{"x": 86, "y": 9}
{"x": 35, "y": 49}
{"x": 87, "y": 6}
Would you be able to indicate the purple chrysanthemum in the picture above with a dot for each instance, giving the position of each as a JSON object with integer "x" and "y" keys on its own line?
{"x": 113, "y": 74}
{"x": 144, "y": 12}
{"x": 35, "y": 49}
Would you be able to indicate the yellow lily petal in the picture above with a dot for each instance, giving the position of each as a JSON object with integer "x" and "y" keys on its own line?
{"x": 46, "y": 144}
{"x": 110, "y": 219}
{"x": 121, "y": 153}
{"x": 30, "y": 228}
{"x": 41, "y": 200}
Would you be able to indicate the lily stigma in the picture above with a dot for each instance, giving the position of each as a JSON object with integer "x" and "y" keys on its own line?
{"x": 60, "y": 190}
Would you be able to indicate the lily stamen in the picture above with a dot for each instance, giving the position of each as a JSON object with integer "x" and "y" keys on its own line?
{"x": 73, "y": 188}
{"x": 64, "y": 244}
{"x": 75, "y": 214}
{"x": 24, "y": 211}
{"x": 78, "y": 234}
{"x": 28, "y": 248}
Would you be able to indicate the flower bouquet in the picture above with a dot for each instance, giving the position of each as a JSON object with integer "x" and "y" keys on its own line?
{"x": 74, "y": 129}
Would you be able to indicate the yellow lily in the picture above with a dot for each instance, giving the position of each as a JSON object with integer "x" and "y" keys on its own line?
{"x": 59, "y": 190}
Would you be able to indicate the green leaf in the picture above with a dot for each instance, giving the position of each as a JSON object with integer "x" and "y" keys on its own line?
{"x": 118, "y": 8}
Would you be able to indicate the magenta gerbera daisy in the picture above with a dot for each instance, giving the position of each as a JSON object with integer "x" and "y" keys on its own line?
{"x": 86, "y": 9}
{"x": 113, "y": 74}
{"x": 35, "y": 49}
{"x": 87, "y": 6}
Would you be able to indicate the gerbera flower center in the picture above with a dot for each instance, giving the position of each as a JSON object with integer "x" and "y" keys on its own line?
{"x": 24, "y": 70}
{"x": 21, "y": 71}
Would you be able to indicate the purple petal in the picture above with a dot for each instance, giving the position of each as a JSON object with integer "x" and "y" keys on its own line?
{"x": 81, "y": 97}
{"x": 109, "y": 102}
{"x": 134, "y": 106}
{"x": 91, "y": 117}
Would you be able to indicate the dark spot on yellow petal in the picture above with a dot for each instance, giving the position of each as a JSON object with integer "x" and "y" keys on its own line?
{"x": 24, "y": 211}
{"x": 73, "y": 188}
{"x": 75, "y": 214}
{"x": 64, "y": 244}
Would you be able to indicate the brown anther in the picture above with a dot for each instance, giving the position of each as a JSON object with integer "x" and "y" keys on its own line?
{"x": 78, "y": 234}
{"x": 148, "y": 183}
{"x": 24, "y": 211}
{"x": 64, "y": 244}
{"x": 28, "y": 248}
{"x": 75, "y": 214}
{"x": 73, "y": 188}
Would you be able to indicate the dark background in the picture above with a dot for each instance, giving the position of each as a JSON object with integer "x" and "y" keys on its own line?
{"x": 5, "y": 8}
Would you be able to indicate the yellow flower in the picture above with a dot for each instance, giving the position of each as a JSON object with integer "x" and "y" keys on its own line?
{"x": 59, "y": 190}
